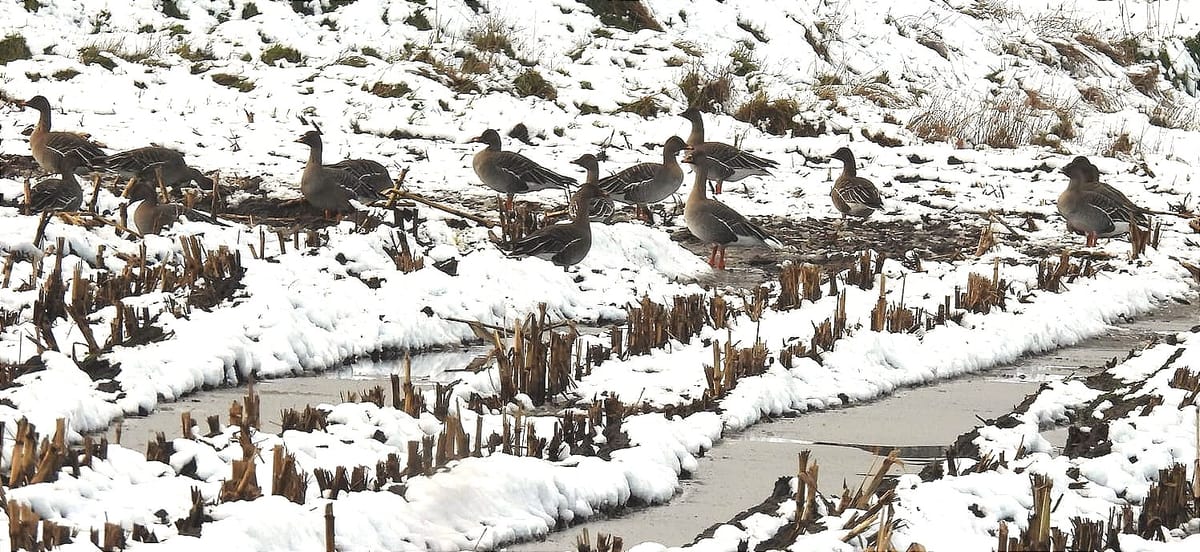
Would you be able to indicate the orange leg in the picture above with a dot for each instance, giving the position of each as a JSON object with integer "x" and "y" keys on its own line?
{"x": 721, "y": 262}
{"x": 712, "y": 257}
{"x": 717, "y": 188}
{"x": 1091, "y": 239}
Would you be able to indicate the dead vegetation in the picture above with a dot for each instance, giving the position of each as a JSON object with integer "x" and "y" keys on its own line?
{"x": 1009, "y": 121}
{"x": 774, "y": 116}
{"x": 631, "y": 16}
{"x": 706, "y": 89}
{"x": 491, "y": 34}
{"x": 1173, "y": 111}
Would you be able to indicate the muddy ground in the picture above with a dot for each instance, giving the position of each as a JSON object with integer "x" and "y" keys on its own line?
{"x": 831, "y": 243}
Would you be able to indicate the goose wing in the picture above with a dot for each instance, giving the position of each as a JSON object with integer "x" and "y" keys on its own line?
{"x": 350, "y": 185}
{"x": 54, "y": 195}
{"x": 138, "y": 160}
{"x": 739, "y": 226}
{"x": 533, "y": 175}
{"x": 372, "y": 176}
{"x": 629, "y": 179}
{"x": 736, "y": 158}
{"x": 860, "y": 191}
{"x": 1115, "y": 205}
{"x": 547, "y": 242}
{"x": 69, "y": 143}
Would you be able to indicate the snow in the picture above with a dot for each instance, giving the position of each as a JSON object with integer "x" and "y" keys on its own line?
{"x": 309, "y": 309}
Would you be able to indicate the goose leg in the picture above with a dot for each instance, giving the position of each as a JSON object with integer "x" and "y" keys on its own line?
{"x": 717, "y": 188}
{"x": 649, "y": 215}
{"x": 721, "y": 261}
{"x": 712, "y": 257}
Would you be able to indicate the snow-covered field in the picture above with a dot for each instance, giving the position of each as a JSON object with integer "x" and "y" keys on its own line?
{"x": 918, "y": 89}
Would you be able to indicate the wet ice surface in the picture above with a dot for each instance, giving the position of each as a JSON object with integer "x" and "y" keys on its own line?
{"x": 846, "y": 442}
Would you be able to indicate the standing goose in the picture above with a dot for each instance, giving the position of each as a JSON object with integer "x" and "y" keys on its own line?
{"x": 511, "y": 173}
{"x": 150, "y": 216}
{"x": 740, "y": 163}
{"x": 175, "y": 171}
{"x": 714, "y": 222}
{"x": 1093, "y": 208}
{"x": 853, "y": 195}
{"x": 600, "y": 206}
{"x": 50, "y": 148}
{"x": 564, "y": 244}
{"x": 647, "y": 183}
{"x": 58, "y": 194}
{"x": 326, "y": 188}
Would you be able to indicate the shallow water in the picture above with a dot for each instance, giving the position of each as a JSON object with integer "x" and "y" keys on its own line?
{"x": 277, "y": 395}
{"x": 740, "y": 471}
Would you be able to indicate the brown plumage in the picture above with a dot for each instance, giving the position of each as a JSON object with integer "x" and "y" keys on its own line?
{"x": 564, "y": 244}
{"x": 58, "y": 194}
{"x": 511, "y": 173}
{"x": 740, "y": 164}
{"x": 647, "y": 183}
{"x": 1095, "y": 209}
{"x": 49, "y": 148}
{"x": 175, "y": 171}
{"x": 600, "y": 206}
{"x": 715, "y": 223}
{"x": 853, "y": 195}
{"x": 325, "y": 188}
{"x": 150, "y": 216}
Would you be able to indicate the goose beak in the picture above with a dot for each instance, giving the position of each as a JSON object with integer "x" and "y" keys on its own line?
{"x": 476, "y": 140}
{"x": 299, "y": 140}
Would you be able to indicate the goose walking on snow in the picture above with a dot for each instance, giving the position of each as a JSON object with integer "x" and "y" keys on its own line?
{"x": 714, "y": 222}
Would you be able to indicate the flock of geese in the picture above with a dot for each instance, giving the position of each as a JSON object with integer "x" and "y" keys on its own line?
{"x": 1090, "y": 207}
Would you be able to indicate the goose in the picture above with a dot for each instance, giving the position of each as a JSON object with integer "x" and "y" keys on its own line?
{"x": 175, "y": 171}
{"x": 150, "y": 216}
{"x": 1093, "y": 208}
{"x": 600, "y": 207}
{"x": 647, "y": 183}
{"x": 327, "y": 188}
{"x": 568, "y": 243}
{"x": 49, "y": 148}
{"x": 511, "y": 173}
{"x": 715, "y": 223}
{"x": 58, "y": 194}
{"x": 853, "y": 195}
{"x": 740, "y": 163}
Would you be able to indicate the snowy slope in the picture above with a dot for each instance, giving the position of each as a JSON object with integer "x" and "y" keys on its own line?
{"x": 854, "y": 69}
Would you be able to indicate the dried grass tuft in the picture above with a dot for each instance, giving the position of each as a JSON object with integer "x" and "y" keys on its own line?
{"x": 774, "y": 116}
{"x": 707, "y": 90}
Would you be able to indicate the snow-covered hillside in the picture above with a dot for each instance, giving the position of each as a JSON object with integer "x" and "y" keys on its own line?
{"x": 962, "y": 112}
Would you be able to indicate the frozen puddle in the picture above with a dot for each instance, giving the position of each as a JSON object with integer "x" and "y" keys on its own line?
{"x": 742, "y": 468}
{"x": 278, "y": 395}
